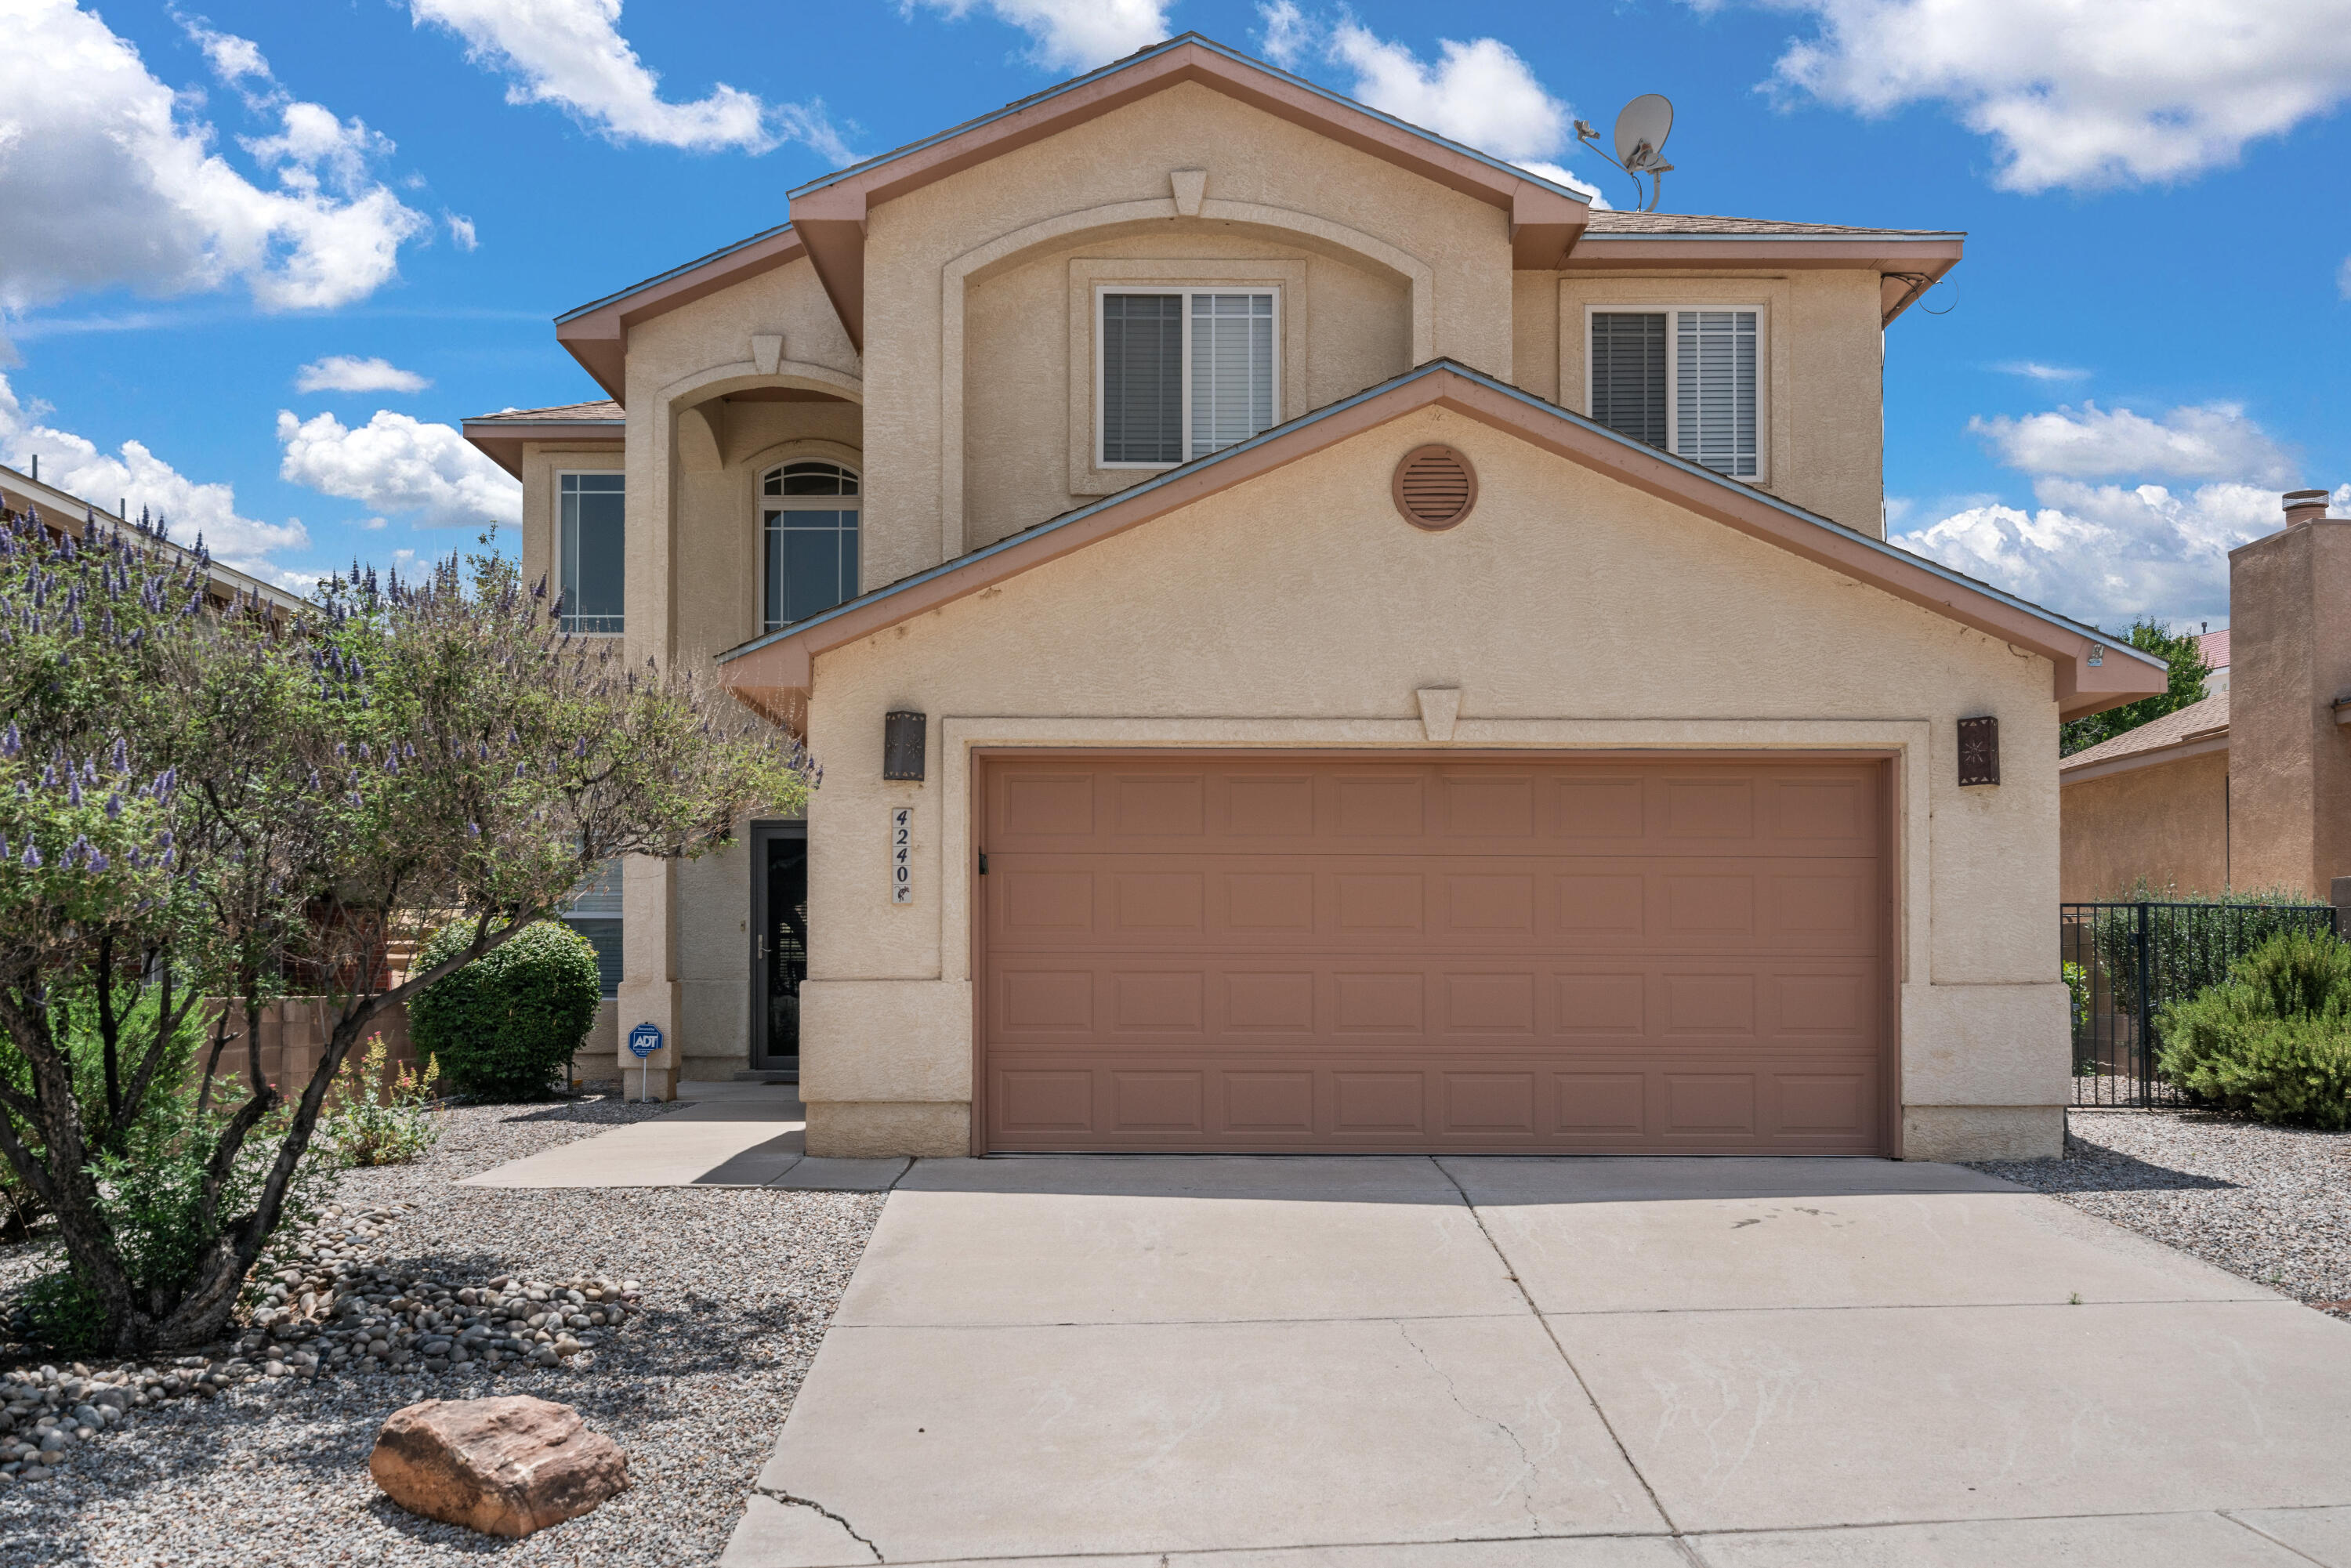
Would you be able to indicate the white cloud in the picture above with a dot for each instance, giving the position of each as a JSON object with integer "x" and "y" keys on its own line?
{"x": 2343, "y": 278}
{"x": 1069, "y": 35}
{"x": 2107, "y": 553}
{"x": 1479, "y": 92}
{"x": 2213, "y": 441}
{"x": 233, "y": 59}
{"x": 397, "y": 463}
{"x": 571, "y": 53}
{"x": 2033, "y": 370}
{"x": 349, "y": 374}
{"x": 135, "y": 475}
{"x": 131, "y": 191}
{"x": 461, "y": 231}
{"x": 2082, "y": 93}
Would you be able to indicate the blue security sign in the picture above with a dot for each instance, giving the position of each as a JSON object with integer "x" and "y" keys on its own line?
{"x": 644, "y": 1040}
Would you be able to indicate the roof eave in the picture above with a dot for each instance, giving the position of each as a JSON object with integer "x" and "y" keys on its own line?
{"x": 502, "y": 441}
{"x": 597, "y": 333}
{"x": 2203, "y": 743}
{"x": 780, "y": 665}
{"x": 1907, "y": 267}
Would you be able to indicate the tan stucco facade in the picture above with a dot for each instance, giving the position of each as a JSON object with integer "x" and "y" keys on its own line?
{"x": 2166, "y": 824}
{"x": 2289, "y": 760}
{"x": 1572, "y": 613}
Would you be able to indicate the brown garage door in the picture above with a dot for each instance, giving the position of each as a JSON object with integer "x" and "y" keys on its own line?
{"x": 1361, "y": 953}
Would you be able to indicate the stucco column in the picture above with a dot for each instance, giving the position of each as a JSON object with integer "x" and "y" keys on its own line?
{"x": 2289, "y": 760}
{"x": 648, "y": 989}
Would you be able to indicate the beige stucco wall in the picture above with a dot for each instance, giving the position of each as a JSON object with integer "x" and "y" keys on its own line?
{"x": 1108, "y": 181}
{"x": 1572, "y": 613}
{"x": 1823, "y": 397}
{"x": 2168, "y": 824}
{"x": 1030, "y": 375}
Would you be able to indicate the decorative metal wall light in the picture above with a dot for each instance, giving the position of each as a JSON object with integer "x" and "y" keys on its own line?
{"x": 1980, "y": 751}
{"x": 902, "y": 737}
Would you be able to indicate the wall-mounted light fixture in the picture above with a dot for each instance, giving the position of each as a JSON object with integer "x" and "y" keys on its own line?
{"x": 903, "y": 739}
{"x": 1980, "y": 751}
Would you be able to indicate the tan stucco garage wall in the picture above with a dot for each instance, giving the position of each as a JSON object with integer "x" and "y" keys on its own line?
{"x": 1110, "y": 178}
{"x": 2168, "y": 823}
{"x": 1300, "y": 610}
{"x": 1821, "y": 334}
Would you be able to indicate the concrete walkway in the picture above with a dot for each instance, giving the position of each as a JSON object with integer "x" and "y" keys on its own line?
{"x": 733, "y": 1135}
{"x": 1577, "y": 1364}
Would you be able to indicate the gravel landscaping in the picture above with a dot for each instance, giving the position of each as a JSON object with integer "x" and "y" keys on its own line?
{"x": 723, "y": 1293}
{"x": 2270, "y": 1204}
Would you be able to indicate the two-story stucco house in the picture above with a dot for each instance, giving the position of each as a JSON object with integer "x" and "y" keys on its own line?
{"x": 1317, "y": 639}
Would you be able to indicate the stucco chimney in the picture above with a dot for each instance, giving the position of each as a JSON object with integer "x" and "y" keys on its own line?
{"x": 2290, "y": 655}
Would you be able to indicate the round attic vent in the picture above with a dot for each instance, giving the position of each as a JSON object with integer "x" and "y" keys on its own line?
{"x": 1434, "y": 488}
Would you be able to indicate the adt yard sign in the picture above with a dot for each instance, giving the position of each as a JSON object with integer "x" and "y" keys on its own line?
{"x": 643, "y": 1040}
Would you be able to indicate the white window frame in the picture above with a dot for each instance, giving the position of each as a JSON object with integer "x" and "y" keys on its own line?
{"x": 762, "y": 504}
{"x": 1763, "y": 474}
{"x": 1186, "y": 290}
{"x": 561, "y": 476}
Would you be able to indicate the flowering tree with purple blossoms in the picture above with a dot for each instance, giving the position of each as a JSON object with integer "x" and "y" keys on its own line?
{"x": 197, "y": 801}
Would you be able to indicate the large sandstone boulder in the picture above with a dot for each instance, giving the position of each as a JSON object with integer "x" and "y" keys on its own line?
{"x": 504, "y": 1466}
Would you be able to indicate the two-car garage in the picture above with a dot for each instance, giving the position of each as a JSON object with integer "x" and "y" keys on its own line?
{"x": 1322, "y": 952}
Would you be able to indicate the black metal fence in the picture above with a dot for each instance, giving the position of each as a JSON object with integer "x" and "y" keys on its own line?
{"x": 2125, "y": 963}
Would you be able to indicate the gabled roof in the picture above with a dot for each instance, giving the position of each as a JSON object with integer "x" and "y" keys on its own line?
{"x": 500, "y": 436}
{"x": 2190, "y": 731}
{"x": 830, "y": 212}
{"x": 597, "y": 333}
{"x": 774, "y": 673}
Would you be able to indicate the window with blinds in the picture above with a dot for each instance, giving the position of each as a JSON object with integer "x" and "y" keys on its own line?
{"x": 1628, "y": 374}
{"x": 589, "y": 548}
{"x": 1682, "y": 380}
{"x": 1185, "y": 373}
{"x": 594, "y": 912}
{"x": 1714, "y": 389}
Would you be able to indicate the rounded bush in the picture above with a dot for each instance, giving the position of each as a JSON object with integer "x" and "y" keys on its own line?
{"x": 2273, "y": 1039}
{"x": 503, "y": 1027}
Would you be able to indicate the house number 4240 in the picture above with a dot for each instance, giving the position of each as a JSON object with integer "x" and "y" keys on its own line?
{"x": 901, "y": 854}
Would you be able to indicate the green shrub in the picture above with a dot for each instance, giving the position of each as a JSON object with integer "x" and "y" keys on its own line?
{"x": 2273, "y": 1039}
{"x": 373, "y": 1121}
{"x": 73, "y": 1017}
{"x": 504, "y": 1026}
{"x": 151, "y": 1200}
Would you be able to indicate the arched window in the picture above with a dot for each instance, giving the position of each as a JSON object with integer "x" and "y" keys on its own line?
{"x": 808, "y": 514}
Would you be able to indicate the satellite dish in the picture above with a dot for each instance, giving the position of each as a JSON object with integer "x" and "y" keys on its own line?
{"x": 1641, "y": 132}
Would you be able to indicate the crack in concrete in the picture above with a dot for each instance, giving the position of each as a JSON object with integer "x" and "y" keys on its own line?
{"x": 1527, "y": 1470}
{"x": 788, "y": 1500}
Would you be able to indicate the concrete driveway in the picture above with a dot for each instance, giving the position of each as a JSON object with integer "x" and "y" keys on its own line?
{"x": 1581, "y": 1363}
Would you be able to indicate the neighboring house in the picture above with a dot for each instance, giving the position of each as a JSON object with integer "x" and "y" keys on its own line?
{"x": 22, "y": 493}
{"x": 2250, "y": 788}
{"x": 2214, "y": 646}
{"x": 1317, "y": 639}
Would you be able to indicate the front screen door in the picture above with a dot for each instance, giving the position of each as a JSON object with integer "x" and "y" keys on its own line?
{"x": 779, "y": 942}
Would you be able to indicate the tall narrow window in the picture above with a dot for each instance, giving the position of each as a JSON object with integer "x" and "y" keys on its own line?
{"x": 1186, "y": 373}
{"x": 1714, "y": 389}
{"x": 1682, "y": 380}
{"x": 595, "y": 912}
{"x": 1628, "y": 374}
{"x": 591, "y": 551}
{"x": 809, "y": 517}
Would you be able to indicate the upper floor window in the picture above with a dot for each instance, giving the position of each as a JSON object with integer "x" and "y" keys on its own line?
{"x": 1185, "y": 373}
{"x": 1684, "y": 381}
{"x": 808, "y": 521}
{"x": 591, "y": 557}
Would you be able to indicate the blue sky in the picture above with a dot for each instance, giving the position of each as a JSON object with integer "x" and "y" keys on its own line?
{"x": 257, "y": 260}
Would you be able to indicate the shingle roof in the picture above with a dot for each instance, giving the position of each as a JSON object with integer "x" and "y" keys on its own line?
{"x": 2197, "y": 721}
{"x": 1605, "y": 222}
{"x": 2215, "y": 645}
{"x": 561, "y": 413}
